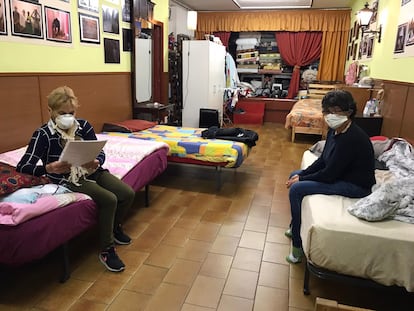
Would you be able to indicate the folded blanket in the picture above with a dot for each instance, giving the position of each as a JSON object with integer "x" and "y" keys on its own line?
{"x": 12, "y": 213}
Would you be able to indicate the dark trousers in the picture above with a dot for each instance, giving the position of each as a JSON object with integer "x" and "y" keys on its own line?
{"x": 301, "y": 189}
{"x": 113, "y": 198}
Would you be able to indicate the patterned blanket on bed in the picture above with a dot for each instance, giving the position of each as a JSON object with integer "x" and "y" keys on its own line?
{"x": 306, "y": 113}
{"x": 185, "y": 142}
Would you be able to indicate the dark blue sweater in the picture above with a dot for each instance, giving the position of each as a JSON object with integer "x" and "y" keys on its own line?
{"x": 46, "y": 145}
{"x": 348, "y": 156}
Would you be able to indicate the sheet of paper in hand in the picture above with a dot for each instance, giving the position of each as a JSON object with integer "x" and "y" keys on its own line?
{"x": 78, "y": 152}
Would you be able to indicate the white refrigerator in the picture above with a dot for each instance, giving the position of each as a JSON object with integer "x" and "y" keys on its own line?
{"x": 204, "y": 79}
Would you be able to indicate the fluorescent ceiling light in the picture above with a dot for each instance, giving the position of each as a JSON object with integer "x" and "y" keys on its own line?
{"x": 273, "y": 4}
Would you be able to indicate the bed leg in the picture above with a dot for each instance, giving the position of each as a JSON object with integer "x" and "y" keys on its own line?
{"x": 66, "y": 270}
{"x": 218, "y": 173}
{"x": 306, "y": 290}
{"x": 293, "y": 134}
{"x": 146, "y": 195}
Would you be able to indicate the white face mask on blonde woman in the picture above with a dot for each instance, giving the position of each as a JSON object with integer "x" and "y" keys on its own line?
{"x": 65, "y": 121}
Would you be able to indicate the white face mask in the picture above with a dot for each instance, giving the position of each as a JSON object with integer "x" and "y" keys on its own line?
{"x": 65, "y": 121}
{"x": 335, "y": 120}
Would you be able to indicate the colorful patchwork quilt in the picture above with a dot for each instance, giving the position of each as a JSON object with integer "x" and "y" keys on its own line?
{"x": 186, "y": 142}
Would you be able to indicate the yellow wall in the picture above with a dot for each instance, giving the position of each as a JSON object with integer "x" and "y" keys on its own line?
{"x": 383, "y": 65}
{"x": 20, "y": 54}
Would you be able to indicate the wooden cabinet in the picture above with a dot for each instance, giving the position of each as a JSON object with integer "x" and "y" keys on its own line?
{"x": 371, "y": 125}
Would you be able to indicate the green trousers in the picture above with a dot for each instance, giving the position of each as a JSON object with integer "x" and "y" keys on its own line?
{"x": 113, "y": 198}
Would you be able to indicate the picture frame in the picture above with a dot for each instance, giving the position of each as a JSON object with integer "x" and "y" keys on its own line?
{"x": 90, "y": 5}
{"x": 400, "y": 39}
{"x": 26, "y": 19}
{"x": 126, "y": 39}
{"x": 89, "y": 28}
{"x": 110, "y": 19}
{"x": 370, "y": 46}
{"x": 57, "y": 24}
{"x": 126, "y": 10}
{"x": 3, "y": 21}
{"x": 112, "y": 53}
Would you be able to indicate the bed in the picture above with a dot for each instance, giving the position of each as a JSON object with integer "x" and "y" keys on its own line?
{"x": 338, "y": 245}
{"x": 186, "y": 144}
{"x": 137, "y": 163}
{"x": 306, "y": 117}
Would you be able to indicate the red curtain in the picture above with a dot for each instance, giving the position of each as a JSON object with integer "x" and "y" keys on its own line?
{"x": 298, "y": 49}
{"x": 224, "y": 37}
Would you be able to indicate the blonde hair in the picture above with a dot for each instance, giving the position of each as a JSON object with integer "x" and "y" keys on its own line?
{"x": 60, "y": 96}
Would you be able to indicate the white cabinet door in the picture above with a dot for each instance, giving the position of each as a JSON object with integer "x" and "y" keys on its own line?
{"x": 203, "y": 79}
{"x": 143, "y": 69}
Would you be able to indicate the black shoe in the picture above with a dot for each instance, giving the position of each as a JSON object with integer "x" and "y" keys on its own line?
{"x": 120, "y": 237}
{"x": 111, "y": 260}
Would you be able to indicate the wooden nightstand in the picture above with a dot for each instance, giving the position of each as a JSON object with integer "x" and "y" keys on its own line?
{"x": 371, "y": 125}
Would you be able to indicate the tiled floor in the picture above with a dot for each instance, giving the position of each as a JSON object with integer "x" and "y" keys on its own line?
{"x": 197, "y": 249}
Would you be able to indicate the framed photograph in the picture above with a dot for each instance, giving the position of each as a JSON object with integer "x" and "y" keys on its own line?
{"x": 89, "y": 28}
{"x": 400, "y": 40}
{"x": 57, "y": 24}
{"x": 351, "y": 35}
{"x": 110, "y": 19}
{"x": 370, "y": 46}
{"x": 126, "y": 40}
{"x": 354, "y": 51}
{"x": 410, "y": 33}
{"x": 26, "y": 19}
{"x": 112, "y": 54}
{"x": 126, "y": 10}
{"x": 3, "y": 25}
{"x": 90, "y": 5}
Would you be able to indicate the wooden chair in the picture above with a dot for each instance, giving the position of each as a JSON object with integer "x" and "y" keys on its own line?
{"x": 318, "y": 90}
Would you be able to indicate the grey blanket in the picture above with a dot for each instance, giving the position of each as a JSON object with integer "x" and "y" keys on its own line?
{"x": 393, "y": 199}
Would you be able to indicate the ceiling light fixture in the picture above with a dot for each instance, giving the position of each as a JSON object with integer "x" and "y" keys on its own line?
{"x": 273, "y": 4}
{"x": 364, "y": 19}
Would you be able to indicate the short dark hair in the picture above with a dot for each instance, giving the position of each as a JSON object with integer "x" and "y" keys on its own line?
{"x": 339, "y": 98}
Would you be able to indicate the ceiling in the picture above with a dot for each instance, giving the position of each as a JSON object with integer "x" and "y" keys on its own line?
{"x": 229, "y": 5}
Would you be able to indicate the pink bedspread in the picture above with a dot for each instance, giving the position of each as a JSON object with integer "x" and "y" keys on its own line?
{"x": 306, "y": 113}
{"x": 12, "y": 213}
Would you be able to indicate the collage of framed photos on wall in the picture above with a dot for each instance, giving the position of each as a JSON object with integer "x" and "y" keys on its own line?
{"x": 31, "y": 19}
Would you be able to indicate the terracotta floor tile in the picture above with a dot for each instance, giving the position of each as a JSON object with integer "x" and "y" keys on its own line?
{"x": 206, "y": 292}
{"x": 225, "y": 245}
{"x": 277, "y": 235}
{"x": 251, "y": 239}
{"x": 232, "y": 228}
{"x": 129, "y": 301}
{"x": 187, "y": 223}
{"x": 177, "y": 236}
{"x": 241, "y": 283}
{"x": 195, "y": 250}
{"x": 205, "y": 232}
{"x": 183, "y": 272}
{"x": 147, "y": 279}
{"x": 268, "y": 298}
{"x": 276, "y": 253}
{"x": 232, "y": 303}
{"x": 189, "y": 307}
{"x": 247, "y": 259}
{"x": 296, "y": 297}
{"x": 257, "y": 224}
{"x": 216, "y": 265}
{"x": 83, "y": 304}
{"x": 64, "y": 295}
{"x": 169, "y": 297}
{"x": 163, "y": 255}
{"x": 279, "y": 219}
{"x": 274, "y": 275}
{"x": 105, "y": 289}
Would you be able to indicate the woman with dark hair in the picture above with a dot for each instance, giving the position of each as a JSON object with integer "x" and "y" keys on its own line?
{"x": 345, "y": 167}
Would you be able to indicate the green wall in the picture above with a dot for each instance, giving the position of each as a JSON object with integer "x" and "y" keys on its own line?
{"x": 35, "y": 55}
{"x": 383, "y": 65}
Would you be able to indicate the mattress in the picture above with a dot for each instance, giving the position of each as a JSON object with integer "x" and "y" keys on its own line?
{"x": 187, "y": 144}
{"x": 52, "y": 230}
{"x": 305, "y": 113}
{"x": 335, "y": 240}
